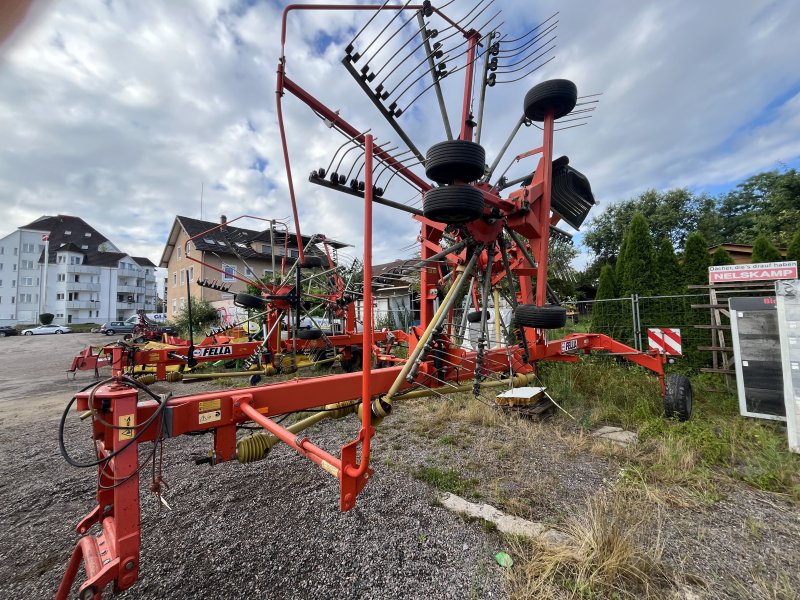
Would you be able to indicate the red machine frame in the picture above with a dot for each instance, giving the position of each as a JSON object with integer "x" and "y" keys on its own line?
{"x": 121, "y": 421}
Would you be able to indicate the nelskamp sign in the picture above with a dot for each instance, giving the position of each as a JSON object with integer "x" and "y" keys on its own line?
{"x": 755, "y": 272}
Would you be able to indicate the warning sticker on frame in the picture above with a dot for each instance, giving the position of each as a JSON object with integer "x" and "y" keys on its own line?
{"x": 127, "y": 422}
{"x": 210, "y": 417}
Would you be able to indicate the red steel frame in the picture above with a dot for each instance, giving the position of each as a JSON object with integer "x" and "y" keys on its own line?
{"x": 113, "y": 556}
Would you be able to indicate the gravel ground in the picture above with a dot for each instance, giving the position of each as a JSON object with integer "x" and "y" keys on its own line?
{"x": 273, "y": 526}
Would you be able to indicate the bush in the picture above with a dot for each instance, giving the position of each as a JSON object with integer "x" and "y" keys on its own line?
{"x": 764, "y": 251}
{"x": 46, "y": 318}
{"x": 204, "y": 315}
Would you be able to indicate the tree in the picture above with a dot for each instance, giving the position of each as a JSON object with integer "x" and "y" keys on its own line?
{"x": 721, "y": 257}
{"x": 604, "y": 317}
{"x": 793, "y": 253}
{"x": 46, "y": 318}
{"x": 695, "y": 260}
{"x": 636, "y": 268}
{"x": 670, "y": 274}
{"x": 764, "y": 251}
{"x": 204, "y": 315}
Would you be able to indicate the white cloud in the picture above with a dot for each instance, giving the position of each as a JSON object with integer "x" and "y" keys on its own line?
{"x": 117, "y": 112}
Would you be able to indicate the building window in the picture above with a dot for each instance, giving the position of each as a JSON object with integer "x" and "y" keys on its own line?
{"x": 267, "y": 273}
{"x": 191, "y": 274}
{"x": 60, "y": 315}
{"x": 74, "y": 260}
{"x": 87, "y": 234}
{"x": 2, "y": 250}
{"x": 68, "y": 232}
{"x": 73, "y": 296}
{"x": 15, "y": 251}
{"x": 60, "y": 296}
{"x": 12, "y": 299}
{"x": 265, "y": 249}
{"x": 29, "y": 248}
{"x": 61, "y": 259}
{"x": 25, "y": 298}
{"x": 183, "y": 280}
{"x": 179, "y": 252}
{"x": 174, "y": 278}
{"x": 1, "y": 266}
{"x": 294, "y": 253}
{"x": 174, "y": 306}
{"x": 228, "y": 272}
{"x": 248, "y": 272}
{"x": 26, "y": 281}
{"x": 13, "y": 283}
{"x": 26, "y": 264}
{"x": 183, "y": 303}
{"x": 61, "y": 277}
{"x": 84, "y": 247}
{"x": 14, "y": 267}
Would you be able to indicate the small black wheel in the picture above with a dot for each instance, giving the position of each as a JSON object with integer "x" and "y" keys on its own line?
{"x": 58, "y": 332}
{"x": 312, "y": 262}
{"x": 678, "y": 397}
{"x": 453, "y": 160}
{"x": 355, "y": 362}
{"x": 558, "y": 95}
{"x": 453, "y": 204}
{"x": 109, "y": 332}
{"x": 474, "y": 316}
{"x": 254, "y": 379}
{"x": 309, "y": 334}
{"x": 28, "y": 333}
{"x": 249, "y": 301}
{"x": 540, "y": 317}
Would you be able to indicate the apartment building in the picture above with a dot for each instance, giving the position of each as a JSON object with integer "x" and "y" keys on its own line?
{"x": 204, "y": 250}
{"x": 62, "y": 265}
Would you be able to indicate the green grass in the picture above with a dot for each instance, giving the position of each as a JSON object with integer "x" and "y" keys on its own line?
{"x": 447, "y": 480}
{"x": 714, "y": 445}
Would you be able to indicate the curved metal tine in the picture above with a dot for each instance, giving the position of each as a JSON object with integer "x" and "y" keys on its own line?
{"x": 527, "y": 43}
{"x": 441, "y": 40}
{"x": 360, "y": 31}
{"x": 381, "y": 32}
{"x": 582, "y": 110}
{"x": 456, "y": 70}
{"x": 575, "y": 119}
{"x": 350, "y": 139}
{"x": 569, "y": 127}
{"x": 532, "y": 60}
{"x": 528, "y": 51}
{"x": 345, "y": 153}
{"x": 386, "y": 186}
{"x": 386, "y": 165}
{"x": 410, "y": 54}
{"x": 353, "y": 166}
{"x": 529, "y": 72}
{"x": 445, "y": 59}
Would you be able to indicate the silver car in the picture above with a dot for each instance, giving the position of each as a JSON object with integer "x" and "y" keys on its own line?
{"x": 43, "y": 329}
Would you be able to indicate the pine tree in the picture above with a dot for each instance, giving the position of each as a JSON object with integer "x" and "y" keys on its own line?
{"x": 695, "y": 260}
{"x": 670, "y": 274}
{"x": 637, "y": 273}
{"x": 794, "y": 248}
{"x": 721, "y": 257}
{"x": 604, "y": 315}
{"x": 764, "y": 251}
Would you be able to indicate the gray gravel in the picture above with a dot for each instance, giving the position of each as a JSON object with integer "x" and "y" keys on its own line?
{"x": 271, "y": 527}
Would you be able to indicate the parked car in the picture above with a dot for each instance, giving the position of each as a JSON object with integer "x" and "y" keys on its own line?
{"x": 115, "y": 327}
{"x": 6, "y": 330}
{"x": 43, "y": 329}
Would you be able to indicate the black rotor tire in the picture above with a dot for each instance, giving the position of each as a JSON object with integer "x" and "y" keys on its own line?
{"x": 312, "y": 262}
{"x": 453, "y": 160}
{"x": 474, "y": 316}
{"x": 678, "y": 397}
{"x": 309, "y": 334}
{"x": 560, "y": 95}
{"x": 453, "y": 204}
{"x": 540, "y": 317}
{"x": 249, "y": 301}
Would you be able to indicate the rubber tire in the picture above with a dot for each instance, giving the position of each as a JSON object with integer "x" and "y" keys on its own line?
{"x": 312, "y": 262}
{"x": 540, "y": 317}
{"x": 249, "y": 301}
{"x": 678, "y": 397}
{"x": 28, "y": 333}
{"x": 309, "y": 334}
{"x": 453, "y": 204}
{"x": 354, "y": 364}
{"x": 109, "y": 332}
{"x": 474, "y": 316}
{"x": 561, "y": 95}
{"x": 453, "y": 160}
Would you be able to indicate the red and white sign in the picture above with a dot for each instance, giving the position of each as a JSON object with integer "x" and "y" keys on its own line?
{"x": 756, "y": 272}
{"x": 666, "y": 340}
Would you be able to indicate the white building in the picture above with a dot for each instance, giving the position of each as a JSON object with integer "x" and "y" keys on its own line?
{"x": 85, "y": 279}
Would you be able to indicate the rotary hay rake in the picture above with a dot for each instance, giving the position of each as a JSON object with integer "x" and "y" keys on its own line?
{"x": 477, "y": 245}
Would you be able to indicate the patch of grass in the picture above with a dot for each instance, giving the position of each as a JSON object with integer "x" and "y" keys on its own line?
{"x": 448, "y": 480}
{"x": 616, "y": 552}
{"x": 714, "y": 446}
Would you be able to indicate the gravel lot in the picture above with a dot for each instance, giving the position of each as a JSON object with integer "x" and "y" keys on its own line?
{"x": 273, "y": 526}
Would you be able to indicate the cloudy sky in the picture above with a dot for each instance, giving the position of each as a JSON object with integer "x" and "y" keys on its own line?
{"x": 119, "y": 111}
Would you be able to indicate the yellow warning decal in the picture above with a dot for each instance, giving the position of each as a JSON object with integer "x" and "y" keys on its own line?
{"x": 127, "y": 422}
{"x": 209, "y": 405}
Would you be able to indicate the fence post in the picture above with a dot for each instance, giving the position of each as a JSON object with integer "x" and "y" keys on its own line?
{"x": 637, "y": 324}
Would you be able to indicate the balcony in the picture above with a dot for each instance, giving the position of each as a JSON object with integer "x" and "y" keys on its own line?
{"x": 77, "y": 304}
{"x": 74, "y": 286}
{"x": 130, "y": 289}
{"x": 80, "y": 268}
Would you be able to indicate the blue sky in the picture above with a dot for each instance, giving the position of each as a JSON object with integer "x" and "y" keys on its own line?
{"x": 119, "y": 112}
